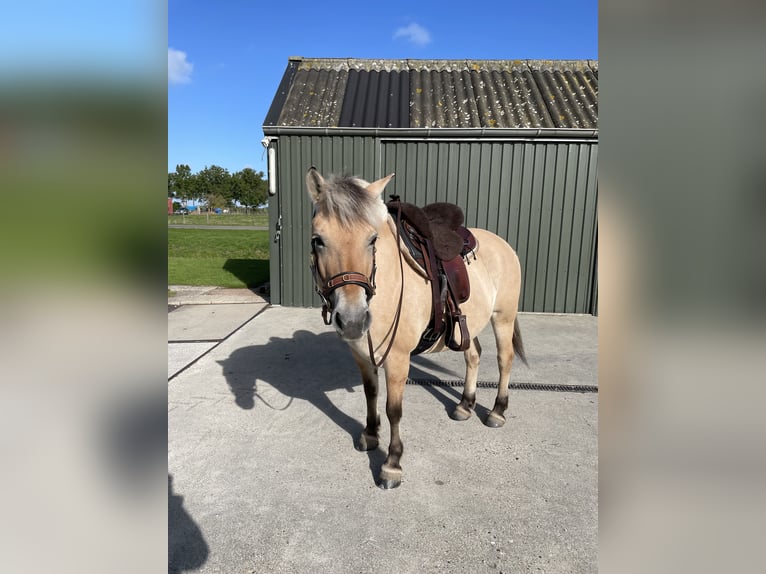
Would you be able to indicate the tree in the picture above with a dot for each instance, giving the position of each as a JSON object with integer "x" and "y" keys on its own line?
{"x": 181, "y": 183}
{"x": 215, "y": 200}
{"x": 217, "y": 187}
{"x": 250, "y": 187}
{"x": 215, "y": 182}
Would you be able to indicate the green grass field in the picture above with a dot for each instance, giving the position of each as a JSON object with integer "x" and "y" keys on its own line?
{"x": 234, "y": 219}
{"x": 224, "y": 258}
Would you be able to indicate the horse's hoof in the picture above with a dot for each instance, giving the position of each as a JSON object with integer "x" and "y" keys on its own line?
{"x": 494, "y": 420}
{"x": 390, "y": 477}
{"x": 460, "y": 414}
{"x": 366, "y": 442}
{"x": 389, "y": 484}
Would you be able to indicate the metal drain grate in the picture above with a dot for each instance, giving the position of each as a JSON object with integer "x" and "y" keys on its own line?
{"x": 515, "y": 386}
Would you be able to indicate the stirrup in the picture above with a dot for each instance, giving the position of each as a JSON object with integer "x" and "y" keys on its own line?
{"x": 465, "y": 338}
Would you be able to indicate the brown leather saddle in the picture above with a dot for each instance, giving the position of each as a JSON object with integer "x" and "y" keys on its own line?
{"x": 437, "y": 240}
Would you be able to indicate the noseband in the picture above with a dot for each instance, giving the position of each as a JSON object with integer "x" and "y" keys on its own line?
{"x": 325, "y": 288}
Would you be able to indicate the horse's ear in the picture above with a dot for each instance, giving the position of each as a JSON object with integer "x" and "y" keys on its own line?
{"x": 377, "y": 187}
{"x": 314, "y": 183}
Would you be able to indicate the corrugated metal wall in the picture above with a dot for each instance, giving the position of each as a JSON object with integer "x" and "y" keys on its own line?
{"x": 540, "y": 196}
{"x": 291, "y": 282}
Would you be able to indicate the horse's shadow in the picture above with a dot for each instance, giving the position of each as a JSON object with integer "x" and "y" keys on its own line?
{"x": 308, "y": 366}
{"x": 305, "y": 366}
{"x": 187, "y": 548}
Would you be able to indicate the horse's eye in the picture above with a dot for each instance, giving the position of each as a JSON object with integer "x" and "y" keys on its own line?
{"x": 373, "y": 240}
{"x": 316, "y": 242}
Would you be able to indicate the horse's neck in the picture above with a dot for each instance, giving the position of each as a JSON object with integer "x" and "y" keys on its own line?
{"x": 405, "y": 253}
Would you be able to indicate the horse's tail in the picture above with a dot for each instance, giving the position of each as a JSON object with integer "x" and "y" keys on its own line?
{"x": 518, "y": 344}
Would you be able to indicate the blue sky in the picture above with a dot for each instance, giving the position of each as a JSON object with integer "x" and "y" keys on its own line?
{"x": 227, "y": 58}
{"x": 57, "y": 38}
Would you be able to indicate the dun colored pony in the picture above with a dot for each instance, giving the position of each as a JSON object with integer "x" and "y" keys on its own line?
{"x": 380, "y": 305}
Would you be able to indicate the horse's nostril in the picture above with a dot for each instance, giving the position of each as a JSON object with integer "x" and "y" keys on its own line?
{"x": 338, "y": 321}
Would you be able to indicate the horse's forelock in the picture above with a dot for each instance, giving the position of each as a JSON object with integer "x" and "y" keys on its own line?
{"x": 346, "y": 199}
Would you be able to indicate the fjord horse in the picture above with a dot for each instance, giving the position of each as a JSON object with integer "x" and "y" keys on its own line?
{"x": 380, "y": 304}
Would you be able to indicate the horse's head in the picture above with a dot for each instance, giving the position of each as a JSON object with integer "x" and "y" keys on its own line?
{"x": 348, "y": 214}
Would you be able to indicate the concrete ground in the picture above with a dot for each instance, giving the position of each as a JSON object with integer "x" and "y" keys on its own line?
{"x": 264, "y": 405}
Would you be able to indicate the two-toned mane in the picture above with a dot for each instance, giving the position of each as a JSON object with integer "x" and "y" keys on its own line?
{"x": 382, "y": 304}
{"x": 347, "y": 200}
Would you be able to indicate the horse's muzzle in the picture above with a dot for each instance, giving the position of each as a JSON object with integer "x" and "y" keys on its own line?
{"x": 351, "y": 323}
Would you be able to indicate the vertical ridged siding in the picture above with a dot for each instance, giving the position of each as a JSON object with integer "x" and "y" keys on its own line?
{"x": 340, "y": 155}
{"x": 541, "y": 197}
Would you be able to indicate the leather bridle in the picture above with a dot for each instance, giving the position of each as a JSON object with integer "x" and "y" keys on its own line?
{"x": 325, "y": 289}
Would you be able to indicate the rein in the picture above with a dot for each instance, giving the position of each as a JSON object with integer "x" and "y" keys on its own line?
{"x": 325, "y": 289}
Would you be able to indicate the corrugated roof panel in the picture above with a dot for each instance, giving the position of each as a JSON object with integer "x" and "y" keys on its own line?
{"x": 459, "y": 116}
{"x": 439, "y": 107}
{"x": 564, "y": 82}
{"x": 587, "y": 87}
{"x": 471, "y": 109}
{"x": 394, "y": 107}
{"x": 373, "y": 99}
{"x": 347, "y": 109}
{"x": 511, "y": 95}
{"x": 538, "y": 110}
{"x": 439, "y": 94}
{"x": 525, "y": 105}
{"x": 502, "y": 102}
{"x": 381, "y": 109}
{"x": 490, "y": 102}
{"x": 427, "y": 97}
{"x": 370, "y": 108}
{"x": 314, "y": 98}
{"x": 277, "y": 105}
{"x": 559, "y": 113}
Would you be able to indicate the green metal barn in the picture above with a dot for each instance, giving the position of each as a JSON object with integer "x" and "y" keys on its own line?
{"x": 513, "y": 142}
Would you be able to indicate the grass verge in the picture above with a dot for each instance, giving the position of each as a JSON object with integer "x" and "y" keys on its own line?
{"x": 224, "y": 258}
{"x": 234, "y": 219}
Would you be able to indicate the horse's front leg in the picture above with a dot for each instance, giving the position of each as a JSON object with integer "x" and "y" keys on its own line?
{"x": 369, "y": 438}
{"x": 397, "y": 368}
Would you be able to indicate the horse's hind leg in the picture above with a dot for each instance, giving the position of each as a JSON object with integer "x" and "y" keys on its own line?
{"x": 503, "y": 328}
{"x": 464, "y": 409}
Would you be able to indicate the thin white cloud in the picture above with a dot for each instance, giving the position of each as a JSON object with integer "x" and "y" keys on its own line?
{"x": 179, "y": 70}
{"x": 414, "y": 33}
